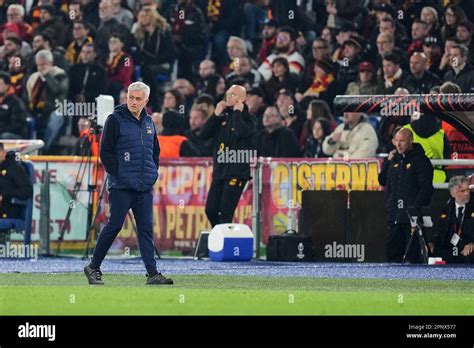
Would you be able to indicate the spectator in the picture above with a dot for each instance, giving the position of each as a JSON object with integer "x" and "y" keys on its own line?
{"x": 206, "y": 68}
{"x": 13, "y": 35}
{"x": 385, "y": 45}
{"x": 282, "y": 78}
{"x": 446, "y": 58}
{"x": 269, "y": 34}
{"x": 236, "y": 48}
{"x": 355, "y": 138}
{"x": 156, "y": 50}
{"x": 323, "y": 86}
{"x": 205, "y": 102}
{"x": 454, "y": 240}
{"x": 460, "y": 72}
{"x": 320, "y": 129}
{"x": 188, "y": 92}
{"x": 327, "y": 34}
{"x": 464, "y": 36}
{"x": 51, "y": 24}
{"x": 171, "y": 137}
{"x": 11, "y": 47}
{"x": 344, "y": 34}
{"x": 419, "y": 30}
{"x": 188, "y": 32}
{"x": 43, "y": 41}
{"x": 17, "y": 71}
{"x": 387, "y": 25}
{"x": 453, "y": 15}
{"x": 432, "y": 51}
{"x": 108, "y": 26}
{"x": 348, "y": 66}
{"x": 14, "y": 183}
{"x": 194, "y": 146}
{"x": 285, "y": 47}
{"x": 344, "y": 11}
{"x": 244, "y": 69}
{"x": 76, "y": 14}
{"x": 412, "y": 187}
{"x": 255, "y": 15}
{"x": 421, "y": 80}
{"x": 122, "y": 14}
{"x": 320, "y": 50}
{"x": 215, "y": 87}
{"x": 366, "y": 83}
{"x": 393, "y": 75}
{"x": 173, "y": 100}
{"x": 317, "y": 109}
{"x": 12, "y": 111}
{"x": 16, "y": 16}
{"x": 256, "y": 103}
{"x": 118, "y": 67}
{"x": 428, "y": 134}
{"x": 429, "y": 15}
{"x": 44, "y": 87}
{"x": 290, "y": 111}
{"x": 275, "y": 139}
{"x": 87, "y": 77}
{"x": 80, "y": 33}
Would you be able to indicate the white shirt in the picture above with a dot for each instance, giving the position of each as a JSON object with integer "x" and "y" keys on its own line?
{"x": 459, "y": 206}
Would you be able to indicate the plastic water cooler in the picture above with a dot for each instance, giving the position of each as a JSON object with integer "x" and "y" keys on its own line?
{"x": 230, "y": 242}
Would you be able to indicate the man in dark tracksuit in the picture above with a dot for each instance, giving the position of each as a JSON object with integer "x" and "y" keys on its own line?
{"x": 232, "y": 128}
{"x": 407, "y": 175}
{"x": 454, "y": 240}
{"x": 130, "y": 154}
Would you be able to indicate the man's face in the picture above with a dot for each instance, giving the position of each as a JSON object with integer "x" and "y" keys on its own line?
{"x": 254, "y": 101}
{"x": 402, "y": 142}
{"x": 384, "y": 44}
{"x": 389, "y": 68}
{"x": 418, "y": 31}
{"x": 10, "y": 48}
{"x": 386, "y": 27}
{"x": 456, "y": 58}
{"x": 350, "y": 51}
{"x": 271, "y": 118}
{"x": 342, "y": 36}
{"x": 43, "y": 66}
{"x": 268, "y": 32}
{"x": 3, "y": 155}
{"x": 319, "y": 50}
{"x": 234, "y": 95}
{"x": 75, "y": 12}
{"x": 3, "y": 87}
{"x": 38, "y": 43}
{"x": 196, "y": 119}
{"x": 136, "y": 101}
{"x": 115, "y": 45}
{"x": 283, "y": 42}
{"x": 87, "y": 54}
{"x": 13, "y": 16}
{"x": 79, "y": 32}
{"x": 205, "y": 69}
{"x": 243, "y": 66}
{"x": 417, "y": 64}
{"x": 182, "y": 86}
{"x": 461, "y": 193}
{"x": 234, "y": 50}
{"x": 106, "y": 10}
{"x": 463, "y": 34}
{"x": 351, "y": 118}
{"x": 45, "y": 16}
{"x": 284, "y": 104}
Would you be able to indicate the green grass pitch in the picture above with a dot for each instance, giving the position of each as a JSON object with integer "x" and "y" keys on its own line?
{"x": 69, "y": 294}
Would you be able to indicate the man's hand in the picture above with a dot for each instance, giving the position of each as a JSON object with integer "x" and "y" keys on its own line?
{"x": 336, "y": 136}
{"x": 391, "y": 154}
{"x": 468, "y": 249}
{"x": 220, "y": 108}
{"x": 431, "y": 247}
{"x": 239, "y": 106}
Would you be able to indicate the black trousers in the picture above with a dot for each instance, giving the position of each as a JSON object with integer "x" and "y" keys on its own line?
{"x": 222, "y": 199}
{"x": 398, "y": 236}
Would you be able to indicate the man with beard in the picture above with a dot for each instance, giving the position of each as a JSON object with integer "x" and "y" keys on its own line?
{"x": 194, "y": 146}
{"x": 286, "y": 48}
{"x": 269, "y": 32}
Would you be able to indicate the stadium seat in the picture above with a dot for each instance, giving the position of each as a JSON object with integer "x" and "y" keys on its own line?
{"x": 22, "y": 224}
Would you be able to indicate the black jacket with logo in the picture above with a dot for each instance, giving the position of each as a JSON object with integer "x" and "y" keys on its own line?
{"x": 232, "y": 131}
{"x": 408, "y": 181}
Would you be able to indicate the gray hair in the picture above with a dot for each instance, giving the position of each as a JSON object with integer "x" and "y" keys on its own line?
{"x": 456, "y": 181}
{"x": 139, "y": 86}
{"x": 241, "y": 42}
{"x": 20, "y": 9}
{"x": 45, "y": 55}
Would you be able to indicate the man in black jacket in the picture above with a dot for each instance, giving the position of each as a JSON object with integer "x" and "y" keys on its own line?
{"x": 421, "y": 80}
{"x": 461, "y": 73}
{"x": 276, "y": 140}
{"x": 407, "y": 175}
{"x": 14, "y": 183}
{"x": 12, "y": 111}
{"x": 232, "y": 128}
{"x": 454, "y": 240}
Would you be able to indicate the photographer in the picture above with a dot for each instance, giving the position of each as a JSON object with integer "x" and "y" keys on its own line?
{"x": 232, "y": 128}
{"x": 407, "y": 175}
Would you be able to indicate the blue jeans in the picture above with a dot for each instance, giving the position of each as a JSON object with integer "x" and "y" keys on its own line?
{"x": 254, "y": 17}
{"x": 121, "y": 201}
{"x": 48, "y": 130}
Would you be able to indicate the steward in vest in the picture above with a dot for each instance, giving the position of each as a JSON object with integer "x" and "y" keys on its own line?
{"x": 407, "y": 175}
{"x": 130, "y": 153}
{"x": 428, "y": 134}
{"x": 171, "y": 139}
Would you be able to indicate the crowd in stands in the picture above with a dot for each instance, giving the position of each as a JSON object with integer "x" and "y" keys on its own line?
{"x": 292, "y": 56}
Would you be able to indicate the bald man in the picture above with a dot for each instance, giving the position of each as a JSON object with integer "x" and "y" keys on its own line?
{"x": 421, "y": 80}
{"x": 231, "y": 127}
{"x": 407, "y": 175}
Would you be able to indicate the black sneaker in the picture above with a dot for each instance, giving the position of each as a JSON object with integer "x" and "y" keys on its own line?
{"x": 94, "y": 276}
{"x": 158, "y": 279}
